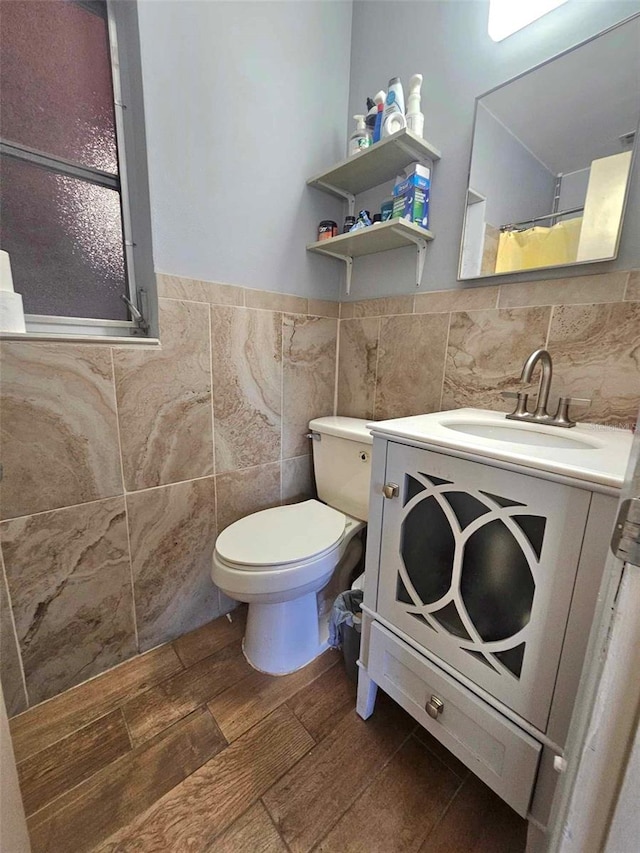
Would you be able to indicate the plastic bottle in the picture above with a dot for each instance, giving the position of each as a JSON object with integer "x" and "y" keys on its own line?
{"x": 415, "y": 119}
{"x": 394, "y": 118}
{"x": 359, "y": 139}
{"x": 377, "y": 128}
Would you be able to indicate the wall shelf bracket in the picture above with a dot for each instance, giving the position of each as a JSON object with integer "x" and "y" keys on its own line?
{"x": 349, "y": 197}
{"x": 348, "y": 260}
{"x": 421, "y": 246}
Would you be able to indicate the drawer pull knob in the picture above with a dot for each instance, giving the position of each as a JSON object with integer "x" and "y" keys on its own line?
{"x": 391, "y": 490}
{"x": 434, "y": 707}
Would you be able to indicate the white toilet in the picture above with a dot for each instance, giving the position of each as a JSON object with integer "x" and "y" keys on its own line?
{"x": 280, "y": 559}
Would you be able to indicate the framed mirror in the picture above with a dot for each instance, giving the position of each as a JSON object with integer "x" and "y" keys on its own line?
{"x": 551, "y": 160}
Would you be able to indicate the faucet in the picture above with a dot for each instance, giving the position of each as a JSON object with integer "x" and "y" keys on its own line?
{"x": 541, "y": 415}
{"x": 542, "y": 356}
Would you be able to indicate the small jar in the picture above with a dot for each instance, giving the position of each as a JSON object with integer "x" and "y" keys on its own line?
{"x": 349, "y": 222}
{"x": 327, "y": 229}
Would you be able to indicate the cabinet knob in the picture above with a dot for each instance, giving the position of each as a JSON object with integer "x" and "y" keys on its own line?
{"x": 434, "y": 707}
{"x": 391, "y": 490}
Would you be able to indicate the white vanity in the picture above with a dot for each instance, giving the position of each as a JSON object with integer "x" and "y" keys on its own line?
{"x": 487, "y": 542}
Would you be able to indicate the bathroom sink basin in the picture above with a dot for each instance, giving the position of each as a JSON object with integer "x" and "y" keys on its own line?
{"x": 588, "y": 453}
{"x": 524, "y": 434}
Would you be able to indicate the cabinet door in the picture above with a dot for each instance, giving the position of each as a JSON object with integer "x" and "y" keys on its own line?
{"x": 478, "y": 565}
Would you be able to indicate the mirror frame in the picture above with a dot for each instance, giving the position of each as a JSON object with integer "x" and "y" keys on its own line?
{"x": 634, "y": 157}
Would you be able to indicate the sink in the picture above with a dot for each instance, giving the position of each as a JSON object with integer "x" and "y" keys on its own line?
{"x": 521, "y": 435}
{"x": 586, "y": 453}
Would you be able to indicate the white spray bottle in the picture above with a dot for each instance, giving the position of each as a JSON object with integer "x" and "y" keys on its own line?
{"x": 415, "y": 119}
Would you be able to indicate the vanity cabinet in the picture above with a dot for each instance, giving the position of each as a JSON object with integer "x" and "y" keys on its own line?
{"x": 481, "y": 582}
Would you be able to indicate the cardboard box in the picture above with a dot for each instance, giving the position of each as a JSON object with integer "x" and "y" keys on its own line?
{"x": 411, "y": 196}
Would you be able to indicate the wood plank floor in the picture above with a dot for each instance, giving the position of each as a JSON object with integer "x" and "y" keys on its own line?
{"x": 187, "y": 748}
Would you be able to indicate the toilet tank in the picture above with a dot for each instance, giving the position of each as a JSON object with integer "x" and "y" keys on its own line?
{"x": 342, "y": 463}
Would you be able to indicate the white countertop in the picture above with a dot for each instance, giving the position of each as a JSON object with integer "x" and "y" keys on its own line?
{"x": 603, "y": 461}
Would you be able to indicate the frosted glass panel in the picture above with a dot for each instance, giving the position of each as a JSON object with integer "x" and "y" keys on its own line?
{"x": 427, "y": 547}
{"x": 64, "y": 237}
{"x": 56, "y": 92}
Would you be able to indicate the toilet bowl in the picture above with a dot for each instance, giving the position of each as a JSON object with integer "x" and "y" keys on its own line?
{"x": 288, "y": 563}
{"x": 277, "y": 561}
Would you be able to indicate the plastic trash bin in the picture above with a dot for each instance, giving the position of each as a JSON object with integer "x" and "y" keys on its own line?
{"x": 345, "y": 627}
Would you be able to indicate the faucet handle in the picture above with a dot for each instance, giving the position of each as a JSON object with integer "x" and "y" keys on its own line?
{"x": 562, "y": 418}
{"x": 521, "y": 406}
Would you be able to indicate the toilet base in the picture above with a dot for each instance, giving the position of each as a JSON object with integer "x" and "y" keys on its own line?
{"x": 283, "y": 637}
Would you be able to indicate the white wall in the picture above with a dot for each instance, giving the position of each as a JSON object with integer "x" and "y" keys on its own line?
{"x": 447, "y": 41}
{"x": 515, "y": 184}
{"x": 243, "y": 102}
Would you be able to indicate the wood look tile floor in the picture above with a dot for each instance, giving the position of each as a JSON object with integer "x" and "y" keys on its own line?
{"x": 186, "y": 748}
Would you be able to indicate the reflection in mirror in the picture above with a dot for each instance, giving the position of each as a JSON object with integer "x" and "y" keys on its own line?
{"x": 551, "y": 160}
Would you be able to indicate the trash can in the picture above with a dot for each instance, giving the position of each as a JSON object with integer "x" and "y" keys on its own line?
{"x": 345, "y": 627}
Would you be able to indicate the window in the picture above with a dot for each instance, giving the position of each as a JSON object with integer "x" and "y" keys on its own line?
{"x": 75, "y": 212}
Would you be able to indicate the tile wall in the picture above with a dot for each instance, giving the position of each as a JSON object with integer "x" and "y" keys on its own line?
{"x": 121, "y": 465}
{"x": 405, "y": 355}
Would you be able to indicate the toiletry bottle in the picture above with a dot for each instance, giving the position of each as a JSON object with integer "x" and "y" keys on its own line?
{"x": 359, "y": 139}
{"x": 415, "y": 119}
{"x": 377, "y": 128}
{"x": 394, "y": 118}
{"x": 370, "y": 118}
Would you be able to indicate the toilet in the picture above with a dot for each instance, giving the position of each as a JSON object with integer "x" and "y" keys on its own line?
{"x": 288, "y": 563}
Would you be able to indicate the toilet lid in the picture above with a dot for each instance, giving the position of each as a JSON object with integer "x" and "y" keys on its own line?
{"x": 285, "y": 534}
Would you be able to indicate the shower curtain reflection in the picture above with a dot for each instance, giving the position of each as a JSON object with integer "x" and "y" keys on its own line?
{"x": 539, "y": 246}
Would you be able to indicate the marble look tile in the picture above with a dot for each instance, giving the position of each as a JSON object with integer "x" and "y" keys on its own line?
{"x": 172, "y": 532}
{"x": 297, "y": 480}
{"x": 410, "y": 365}
{"x": 309, "y": 365}
{"x": 323, "y": 308}
{"x": 193, "y": 290}
{"x": 596, "y": 354}
{"x": 461, "y": 299}
{"x": 247, "y": 386}
{"x": 15, "y": 696}
{"x": 380, "y": 307}
{"x": 164, "y": 401}
{"x": 275, "y": 301}
{"x": 242, "y": 492}
{"x": 357, "y": 366}
{"x": 633, "y": 287}
{"x": 485, "y": 354}
{"x": 70, "y": 585}
{"x": 605, "y": 287}
{"x": 59, "y": 443}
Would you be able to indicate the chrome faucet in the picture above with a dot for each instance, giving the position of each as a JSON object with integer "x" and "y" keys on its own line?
{"x": 541, "y": 415}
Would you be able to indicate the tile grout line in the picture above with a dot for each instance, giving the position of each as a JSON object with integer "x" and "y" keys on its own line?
{"x": 625, "y": 291}
{"x": 5, "y": 582}
{"x": 213, "y": 436}
{"x": 126, "y": 508}
{"x": 375, "y": 378}
{"x": 552, "y": 309}
{"x": 337, "y": 370}
{"x": 444, "y": 365}
{"x": 444, "y": 811}
{"x": 370, "y": 781}
{"x": 272, "y": 821}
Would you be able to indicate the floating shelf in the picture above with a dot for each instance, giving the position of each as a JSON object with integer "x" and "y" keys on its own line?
{"x": 377, "y": 164}
{"x": 381, "y": 237}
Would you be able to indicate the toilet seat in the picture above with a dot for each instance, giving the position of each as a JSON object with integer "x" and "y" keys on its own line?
{"x": 281, "y": 538}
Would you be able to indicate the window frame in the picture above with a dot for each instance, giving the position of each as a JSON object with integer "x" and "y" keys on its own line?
{"x": 132, "y": 183}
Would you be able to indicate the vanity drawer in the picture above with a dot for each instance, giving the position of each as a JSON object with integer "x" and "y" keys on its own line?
{"x": 496, "y": 750}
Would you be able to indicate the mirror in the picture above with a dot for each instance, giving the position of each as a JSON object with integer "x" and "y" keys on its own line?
{"x": 551, "y": 160}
